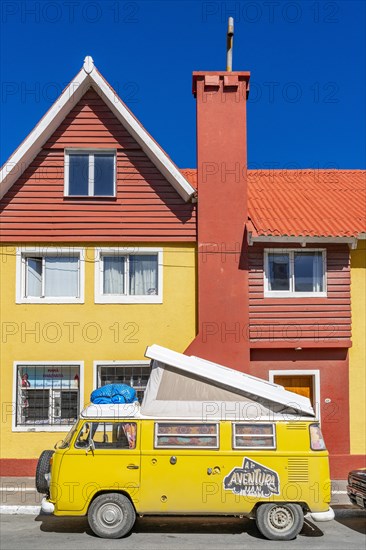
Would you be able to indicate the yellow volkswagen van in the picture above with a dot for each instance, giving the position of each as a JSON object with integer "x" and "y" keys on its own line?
{"x": 205, "y": 440}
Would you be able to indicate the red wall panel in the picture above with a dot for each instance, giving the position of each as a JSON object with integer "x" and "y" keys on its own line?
{"x": 292, "y": 322}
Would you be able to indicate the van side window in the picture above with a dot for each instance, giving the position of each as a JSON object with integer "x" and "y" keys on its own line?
{"x": 183, "y": 434}
{"x": 116, "y": 435}
{"x": 254, "y": 436}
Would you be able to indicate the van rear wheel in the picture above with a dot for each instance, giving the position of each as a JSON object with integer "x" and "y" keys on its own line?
{"x": 111, "y": 516}
{"x": 277, "y": 521}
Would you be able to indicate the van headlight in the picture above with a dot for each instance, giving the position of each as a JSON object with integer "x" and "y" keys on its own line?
{"x": 316, "y": 438}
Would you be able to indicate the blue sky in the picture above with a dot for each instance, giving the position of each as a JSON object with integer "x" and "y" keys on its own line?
{"x": 307, "y": 63}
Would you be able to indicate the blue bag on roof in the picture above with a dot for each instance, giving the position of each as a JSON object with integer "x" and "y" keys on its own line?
{"x": 113, "y": 393}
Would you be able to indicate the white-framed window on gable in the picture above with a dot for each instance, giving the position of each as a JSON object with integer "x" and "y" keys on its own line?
{"x": 294, "y": 273}
{"x": 50, "y": 275}
{"x": 47, "y": 395}
{"x": 90, "y": 173}
{"x": 133, "y": 373}
{"x": 127, "y": 275}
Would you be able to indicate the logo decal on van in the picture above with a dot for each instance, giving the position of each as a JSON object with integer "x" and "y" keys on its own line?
{"x": 253, "y": 479}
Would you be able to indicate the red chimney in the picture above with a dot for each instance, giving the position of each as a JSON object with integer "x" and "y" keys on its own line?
{"x": 222, "y": 214}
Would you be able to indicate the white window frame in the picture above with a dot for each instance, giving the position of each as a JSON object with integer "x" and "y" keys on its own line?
{"x": 191, "y": 447}
{"x": 91, "y": 152}
{"x": 101, "y": 298}
{"x": 315, "y": 373}
{"x": 45, "y": 428}
{"x": 23, "y": 252}
{"x": 291, "y": 292}
{"x": 254, "y": 436}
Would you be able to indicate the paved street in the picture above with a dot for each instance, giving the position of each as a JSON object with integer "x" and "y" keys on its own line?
{"x": 44, "y": 532}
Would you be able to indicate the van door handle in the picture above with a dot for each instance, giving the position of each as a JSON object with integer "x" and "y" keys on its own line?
{"x": 133, "y": 467}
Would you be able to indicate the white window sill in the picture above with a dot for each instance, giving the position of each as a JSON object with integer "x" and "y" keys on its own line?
{"x": 49, "y": 300}
{"x": 43, "y": 428}
{"x": 287, "y": 294}
{"x": 81, "y": 197}
{"x": 105, "y": 299}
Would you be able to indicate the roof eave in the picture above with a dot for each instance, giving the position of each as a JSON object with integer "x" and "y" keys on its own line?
{"x": 300, "y": 239}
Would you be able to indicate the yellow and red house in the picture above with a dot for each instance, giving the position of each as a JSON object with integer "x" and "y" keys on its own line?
{"x": 105, "y": 251}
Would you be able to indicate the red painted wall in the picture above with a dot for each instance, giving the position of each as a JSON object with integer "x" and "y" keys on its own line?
{"x": 334, "y": 385}
{"x": 222, "y": 213}
{"x": 146, "y": 206}
{"x": 292, "y": 322}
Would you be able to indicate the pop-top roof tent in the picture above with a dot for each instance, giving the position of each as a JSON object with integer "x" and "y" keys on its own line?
{"x": 182, "y": 386}
{"x": 187, "y": 386}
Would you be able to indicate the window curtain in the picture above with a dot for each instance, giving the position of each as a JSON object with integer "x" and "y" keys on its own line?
{"x": 114, "y": 275}
{"x": 143, "y": 275}
{"x": 318, "y": 272}
{"x": 34, "y": 277}
{"x": 61, "y": 276}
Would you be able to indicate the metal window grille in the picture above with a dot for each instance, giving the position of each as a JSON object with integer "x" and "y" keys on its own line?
{"x": 133, "y": 375}
{"x": 47, "y": 394}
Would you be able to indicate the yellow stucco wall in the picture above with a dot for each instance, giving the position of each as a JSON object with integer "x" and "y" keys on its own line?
{"x": 171, "y": 324}
{"x": 357, "y": 356}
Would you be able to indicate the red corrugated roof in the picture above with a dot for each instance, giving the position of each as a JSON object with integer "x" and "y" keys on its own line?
{"x": 309, "y": 203}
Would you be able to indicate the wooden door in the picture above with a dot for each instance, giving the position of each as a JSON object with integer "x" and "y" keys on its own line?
{"x": 297, "y": 383}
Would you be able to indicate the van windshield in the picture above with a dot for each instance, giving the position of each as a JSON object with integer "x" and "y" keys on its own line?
{"x": 65, "y": 443}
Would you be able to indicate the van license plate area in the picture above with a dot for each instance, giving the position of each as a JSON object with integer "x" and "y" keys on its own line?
{"x": 359, "y": 501}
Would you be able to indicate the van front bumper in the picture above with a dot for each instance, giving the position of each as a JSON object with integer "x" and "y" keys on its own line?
{"x": 47, "y": 507}
{"x": 322, "y": 516}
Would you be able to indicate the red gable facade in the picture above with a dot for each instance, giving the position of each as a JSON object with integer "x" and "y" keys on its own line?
{"x": 145, "y": 206}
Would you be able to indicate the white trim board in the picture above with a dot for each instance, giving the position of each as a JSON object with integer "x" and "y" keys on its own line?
{"x": 302, "y": 240}
{"x": 88, "y": 77}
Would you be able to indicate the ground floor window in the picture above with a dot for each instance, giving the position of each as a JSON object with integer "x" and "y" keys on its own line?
{"x": 133, "y": 374}
{"x": 47, "y": 394}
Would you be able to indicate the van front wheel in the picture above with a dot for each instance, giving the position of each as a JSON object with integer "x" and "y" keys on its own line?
{"x": 277, "y": 521}
{"x": 111, "y": 516}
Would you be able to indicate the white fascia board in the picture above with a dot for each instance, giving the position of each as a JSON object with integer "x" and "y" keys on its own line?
{"x": 351, "y": 241}
{"x": 32, "y": 145}
{"x": 230, "y": 378}
{"x": 147, "y": 144}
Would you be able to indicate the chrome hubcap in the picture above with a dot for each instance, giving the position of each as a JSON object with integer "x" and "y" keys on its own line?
{"x": 110, "y": 515}
{"x": 281, "y": 518}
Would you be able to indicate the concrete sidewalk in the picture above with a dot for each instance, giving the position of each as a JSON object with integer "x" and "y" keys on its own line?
{"x": 18, "y": 495}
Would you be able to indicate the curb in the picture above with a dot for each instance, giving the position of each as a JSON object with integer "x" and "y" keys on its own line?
{"x": 17, "y": 510}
